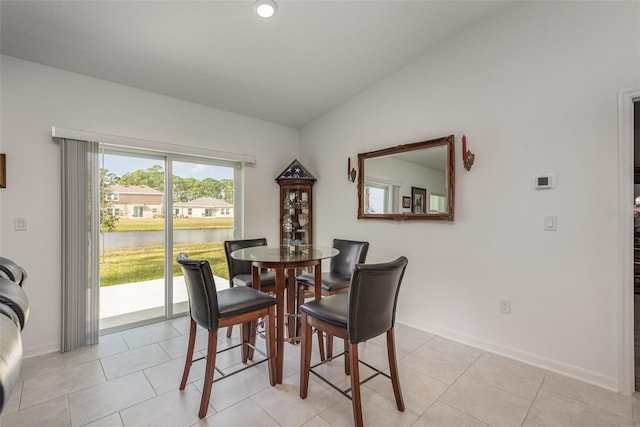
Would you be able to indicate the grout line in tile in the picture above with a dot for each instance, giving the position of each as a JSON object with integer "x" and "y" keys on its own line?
{"x": 591, "y": 405}
{"x": 127, "y": 407}
{"x": 533, "y": 401}
{"x": 20, "y": 398}
{"x": 150, "y": 383}
{"x": 66, "y": 399}
{"x": 452, "y": 384}
{"x": 509, "y": 391}
{"x": 462, "y": 412}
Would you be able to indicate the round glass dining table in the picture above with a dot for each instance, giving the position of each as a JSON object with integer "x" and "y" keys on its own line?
{"x": 285, "y": 258}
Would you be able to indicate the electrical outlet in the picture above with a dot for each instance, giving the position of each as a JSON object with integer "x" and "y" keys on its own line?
{"x": 505, "y": 306}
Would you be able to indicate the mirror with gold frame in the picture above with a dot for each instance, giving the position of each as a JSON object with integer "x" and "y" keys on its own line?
{"x": 408, "y": 182}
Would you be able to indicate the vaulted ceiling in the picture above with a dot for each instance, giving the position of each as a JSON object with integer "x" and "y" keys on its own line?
{"x": 291, "y": 69}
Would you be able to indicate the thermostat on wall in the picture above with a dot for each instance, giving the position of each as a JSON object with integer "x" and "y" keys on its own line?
{"x": 543, "y": 182}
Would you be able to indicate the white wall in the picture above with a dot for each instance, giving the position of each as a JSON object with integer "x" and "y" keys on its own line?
{"x": 35, "y": 97}
{"x": 535, "y": 90}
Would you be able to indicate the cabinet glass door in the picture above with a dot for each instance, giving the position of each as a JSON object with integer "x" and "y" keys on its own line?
{"x": 295, "y": 221}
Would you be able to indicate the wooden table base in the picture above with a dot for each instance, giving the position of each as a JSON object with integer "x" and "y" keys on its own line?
{"x": 281, "y": 285}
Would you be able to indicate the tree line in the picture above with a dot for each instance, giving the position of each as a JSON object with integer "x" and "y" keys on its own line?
{"x": 184, "y": 189}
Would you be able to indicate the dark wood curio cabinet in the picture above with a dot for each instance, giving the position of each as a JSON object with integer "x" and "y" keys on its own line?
{"x": 296, "y": 205}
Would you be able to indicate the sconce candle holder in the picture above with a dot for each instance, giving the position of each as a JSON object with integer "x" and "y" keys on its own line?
{"x": 3, "y": 170}
{"x": 467, "y": 156}
{"x": 351, "y": 172}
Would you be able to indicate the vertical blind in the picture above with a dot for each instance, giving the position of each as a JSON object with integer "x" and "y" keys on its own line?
{"x": 80, "y": 317}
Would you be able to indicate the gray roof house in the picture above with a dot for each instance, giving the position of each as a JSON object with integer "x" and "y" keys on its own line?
{"x": 203, "y": 207}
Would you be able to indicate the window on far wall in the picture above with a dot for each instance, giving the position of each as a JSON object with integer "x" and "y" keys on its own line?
{"x": 208, "y": 212}
{"x": 379, "y": 197}
{"x": 437, "y": 203}
{"x": 114, "y": 197}
{"x": 137, "y": 211}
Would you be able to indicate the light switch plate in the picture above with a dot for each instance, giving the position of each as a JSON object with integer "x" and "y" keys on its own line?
{"x": 20, "y": 223}
{"x": 550, "y": 223}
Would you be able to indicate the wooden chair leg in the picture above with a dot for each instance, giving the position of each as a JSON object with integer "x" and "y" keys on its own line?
{"x": 347, "y": 363}
{"x": 320, "y": 344}
{"x": 245, "y": 327}
{"x": 212, "y": 348}
{"x": 329, "y": 346}
{"x": 356, "y": 399}
{"x": 299, "y": 302}
{"x": 189, "y": 358}
{"x": 393, "y": 368}
{"x": 292, "y": 303}
{"x": 270, "y": 330}
{"x": 301, "y": 299}
{"x": 252, "y": 337}
{"x": 305, "y": 355}
{"x": 230, "y": 328}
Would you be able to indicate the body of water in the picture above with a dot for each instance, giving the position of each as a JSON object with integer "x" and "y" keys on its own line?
{"x": 125, "y": 239}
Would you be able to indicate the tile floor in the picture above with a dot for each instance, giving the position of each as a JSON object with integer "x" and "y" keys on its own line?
{"x": 131, "y": 379}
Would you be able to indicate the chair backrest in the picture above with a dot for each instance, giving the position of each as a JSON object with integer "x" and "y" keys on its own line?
{"x": 351, "y": 253}
{"x": 236, "y": 266}
{"x": 201, "y": 289}
{"x": 373, "y": 296}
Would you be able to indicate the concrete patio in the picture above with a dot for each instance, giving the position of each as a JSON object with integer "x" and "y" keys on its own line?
{"x": 134, "y": 302}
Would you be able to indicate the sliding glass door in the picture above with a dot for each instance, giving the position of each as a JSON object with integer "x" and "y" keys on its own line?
{"x": 132, "y": 242}
{"x": 203, "y": 218}
{"x": 151, "y": 208}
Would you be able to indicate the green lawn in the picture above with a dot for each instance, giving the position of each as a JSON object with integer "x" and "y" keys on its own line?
{"x": 138, "y": 264}
{"x": 157, "y": 224}
{"x": 128, "y": 265}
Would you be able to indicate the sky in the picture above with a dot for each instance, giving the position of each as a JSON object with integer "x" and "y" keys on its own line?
{"x": 119, "y": 165}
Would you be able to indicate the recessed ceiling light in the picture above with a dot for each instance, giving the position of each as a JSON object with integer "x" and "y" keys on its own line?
{"x": 265, "y": 8}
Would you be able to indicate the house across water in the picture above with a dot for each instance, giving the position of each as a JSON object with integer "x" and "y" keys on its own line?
{"x": 203, "y": 207}
{"x": 135, "y": 201}
{"x": 141, "y": 201}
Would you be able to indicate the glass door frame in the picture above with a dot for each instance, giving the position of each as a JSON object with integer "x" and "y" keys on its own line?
{"x": 168, "y": 159}
{"x": 238, "y": 175}
{"x": 108, "y": 149}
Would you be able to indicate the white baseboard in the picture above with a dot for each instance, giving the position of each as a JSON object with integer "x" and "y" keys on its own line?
{"x": 40, "y": 350}
{"x": 555, "y": 366}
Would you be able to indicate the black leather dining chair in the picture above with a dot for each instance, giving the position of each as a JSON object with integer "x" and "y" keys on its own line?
{"x": 240, "y": 271}
{"x": 368, "y": 310}
{"x": 338, "y": 278}
{"x": 213, "y": 310}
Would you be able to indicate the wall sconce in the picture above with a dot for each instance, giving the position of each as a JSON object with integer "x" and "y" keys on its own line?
{"x": 3, "y": 171}
{"x": 351, "y": 173}
{"x": 467, "y": 156}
